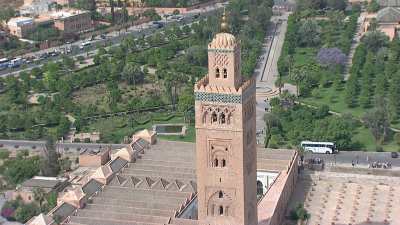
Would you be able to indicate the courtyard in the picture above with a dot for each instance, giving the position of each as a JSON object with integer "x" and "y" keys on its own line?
{"x": 346, "y": 198}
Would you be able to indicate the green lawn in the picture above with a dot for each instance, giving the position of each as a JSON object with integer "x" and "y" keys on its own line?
{"x": 335, "y": 100}
{"x": 113, "y": 130}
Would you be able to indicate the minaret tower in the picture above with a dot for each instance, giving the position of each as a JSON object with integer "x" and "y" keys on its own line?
{"x": 225, "y": 137}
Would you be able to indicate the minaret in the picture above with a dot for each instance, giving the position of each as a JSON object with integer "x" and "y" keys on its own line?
{"x": 225, "y": 137}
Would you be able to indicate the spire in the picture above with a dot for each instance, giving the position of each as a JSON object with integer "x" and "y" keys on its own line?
{"x": 224, "y": 23}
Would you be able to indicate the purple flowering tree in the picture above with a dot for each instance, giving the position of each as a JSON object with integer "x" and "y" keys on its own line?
{"x": 331, "y": 57}
{"x": 7, "y": 212}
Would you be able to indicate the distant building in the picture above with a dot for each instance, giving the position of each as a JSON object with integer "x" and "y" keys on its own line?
{"x": 72, "y": 21}
{"x": 20, "y": 26}
{"x": 389, "y": 3}
{"x": 84, "y": 137}
{"x": 35, "y": 7}
{"x": 65, "y": 2}
{"x": 94, "y": 158}
{"x": 386, "y": 19}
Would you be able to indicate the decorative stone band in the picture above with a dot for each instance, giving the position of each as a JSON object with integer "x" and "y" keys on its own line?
{"x": 218, "y": 97}
{"x": 220, "y": 50}
{"x": 223, "y": 97}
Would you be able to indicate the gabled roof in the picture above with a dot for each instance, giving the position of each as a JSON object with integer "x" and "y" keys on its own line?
{"x": 91, "y": 187}
{"x": 63, "y": 211}
{"x": 117, "y": 164}
{"x": 74, "y": 194}
{"x": 388, "y": 15}
{"x": 41, "y": 219}
{"x": 103, "y": 172}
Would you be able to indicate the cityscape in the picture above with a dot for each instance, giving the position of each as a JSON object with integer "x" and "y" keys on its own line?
{"x": 199, "y": 112}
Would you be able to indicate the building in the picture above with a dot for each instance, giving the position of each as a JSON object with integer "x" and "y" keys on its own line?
{"x": 387, "y": 20}
{"x": 222, "y": 179}
{"x": 225, "y": 137}
{"x": 94, "y": 158}
{"x": 20, "y": 26}
{"x": 86, "y": 137}
{"x": 47, "y": 184}
{"x": 72, "y": 21}
{"x": 35, "y": 7}
{"x": 389, "y": 3}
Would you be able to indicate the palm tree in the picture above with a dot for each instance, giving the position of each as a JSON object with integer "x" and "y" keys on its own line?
{"x": 39, "y": 195}
{"x": 298, "y": 76}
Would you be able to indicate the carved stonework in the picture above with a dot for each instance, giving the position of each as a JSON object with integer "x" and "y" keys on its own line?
{"x": 217, "y": 114}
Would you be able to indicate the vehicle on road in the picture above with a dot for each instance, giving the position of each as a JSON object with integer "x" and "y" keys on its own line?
{"x": 394, "y": 155}
{"x": 16, "y": 62}
{"x": 85, "y": 44}
{"x": 4, "y": 63}
{"x": 318, "y": 147}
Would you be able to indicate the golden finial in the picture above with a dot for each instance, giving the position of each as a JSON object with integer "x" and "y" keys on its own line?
{"x": 224, "y": 23}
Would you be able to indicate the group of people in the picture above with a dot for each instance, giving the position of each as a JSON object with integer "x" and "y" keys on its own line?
{"x": 378, "y": 164}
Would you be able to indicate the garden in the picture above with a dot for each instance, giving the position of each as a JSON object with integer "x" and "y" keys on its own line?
{"x": 314, "y": 57}
{"x": 141, "y": 73}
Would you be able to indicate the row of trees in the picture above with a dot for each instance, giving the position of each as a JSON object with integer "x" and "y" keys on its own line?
{"x": 314, "y": 51}
{"x": 289, "y": 124}
{"x": 374, "y": 83}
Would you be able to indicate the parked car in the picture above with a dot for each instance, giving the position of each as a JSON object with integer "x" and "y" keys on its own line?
{"x": 394, "y": 155}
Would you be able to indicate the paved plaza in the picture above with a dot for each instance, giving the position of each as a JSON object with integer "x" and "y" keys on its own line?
{"x": 343, "y": 198}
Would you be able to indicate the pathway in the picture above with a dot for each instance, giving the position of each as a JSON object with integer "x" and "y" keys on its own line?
{"x": 266, "y": 71}
{"x": 354, "y": 44}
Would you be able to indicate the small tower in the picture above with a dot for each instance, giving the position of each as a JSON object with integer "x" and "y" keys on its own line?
{"x": 225, "y": 137}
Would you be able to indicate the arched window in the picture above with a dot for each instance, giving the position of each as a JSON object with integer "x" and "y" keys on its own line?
{"x": 225, "y": 73}
{"x": 220, "y": 194}
{"x": 217, "y": 73}
{"x": 223, "y": 163}
{"x": 221, "y": 210}
{"x": 222, "y": 118}
{"x": 214, "y": 117}
{"x": 216, "y": 162}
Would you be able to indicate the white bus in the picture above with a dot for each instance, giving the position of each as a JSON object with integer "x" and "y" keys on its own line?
{"x": 318, "y": 147}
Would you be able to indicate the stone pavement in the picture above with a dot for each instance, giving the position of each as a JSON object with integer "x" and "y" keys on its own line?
{"x": 345, "y": 198}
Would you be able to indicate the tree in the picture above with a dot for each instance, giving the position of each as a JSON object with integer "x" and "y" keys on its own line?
{"x": 6, "y": 13}
{"x": 298, "y": 75}
{"x": 39, "y": 195}
{"x": 309, "y": 33}
{"x": 336, "y": 4}
{"x": 4, "y": 154}
{"x": 25, "y": 212}
{"x": 375, "y": 40}
{"x": 132, "y": 74}
{"x": 377, "y": 120}
{"x": 50, "y": 164}
{"x": 19, "y": 170}
{"x": 186, "y": 100}
{"x": 373, "y": 6}
{"x": 331, "y": 57}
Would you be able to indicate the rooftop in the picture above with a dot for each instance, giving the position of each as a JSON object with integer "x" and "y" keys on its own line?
{"x": 155, "y": 188}
{"x": 43, "y": 182}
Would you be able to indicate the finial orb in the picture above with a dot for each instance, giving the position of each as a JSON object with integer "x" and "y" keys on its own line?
{"x": 224, "y": 23}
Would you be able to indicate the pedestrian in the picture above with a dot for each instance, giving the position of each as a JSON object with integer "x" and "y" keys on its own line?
{"x": 352, "y": 163}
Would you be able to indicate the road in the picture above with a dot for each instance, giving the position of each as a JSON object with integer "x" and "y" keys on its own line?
{"x": 113, "y": 39}
{"x": 266, "y": 72}
{"x": 364, "y": 158}
{"x": 61, "y": 147}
